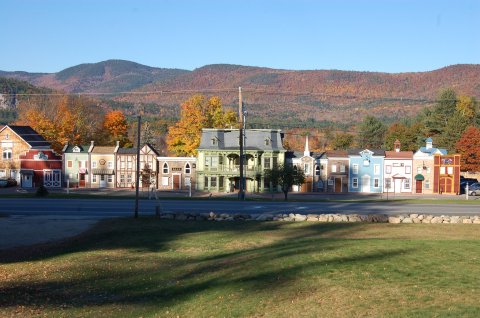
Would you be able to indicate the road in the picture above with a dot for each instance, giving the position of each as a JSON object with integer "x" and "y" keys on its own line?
{"x": 98, "y": 209}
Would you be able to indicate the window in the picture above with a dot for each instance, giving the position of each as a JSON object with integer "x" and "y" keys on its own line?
{"x": 442, "y": 170}
{"x": 129, "y": 165}
{"x": 317, "y": 170}
{"x": 213, "y": 182}
{"x": 274, "y": 162}
{"x": 94, "y": 164}
{"x": 69, "y": 163}
{"x": 122, "y": 164}
{"x": 122, "y": 178}
{"x": 187, "y": 168}
{"x": 407, "y": 184}
{"x": 408, "y": 169}
{"x": 330, "y": 182}
{"x": 129, "y": 178}
{"x": 214, "y": 141}
{"x": 267, "y": 142}
{"x": 165, "y": 168}
{"x": 376, "y": 169}
{"x": 355, "y": 168}
{"x": 3, "y": 173}
{"x": 450, "y": 170}
{"x": 427, "y": 184}
{"x": 342, "y": 168}
{"x": 266, "y": 163}
{"x": 419, "y": 169}
{"x": 355, "y": 183}
{"x": 164, "y": 181}
{"x": 110, "y": 165}
{"x": 334, "y": 168}
{"x": 388, "y": 169}
{"x": 376, "y": 183}
{"x": 94, "y": 178}
{"x": 306, "y": 168}
{"x": 7, "y": 154}
{"x": 110, "y": 178}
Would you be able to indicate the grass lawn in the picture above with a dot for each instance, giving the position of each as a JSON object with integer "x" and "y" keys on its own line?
{"x": 158, "y": 268}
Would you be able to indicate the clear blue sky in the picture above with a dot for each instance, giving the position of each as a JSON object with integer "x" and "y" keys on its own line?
{"x": 386, "y": 36}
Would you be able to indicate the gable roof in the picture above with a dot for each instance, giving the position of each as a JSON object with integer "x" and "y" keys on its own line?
{"x": 375, "y": 152}
{"x": 228, "y": 139}
{"x": 398, "y": 154}
{"x": 133, "y": 151}
{"x": 69, "y": 148}
{"x": 103, "y": 150}
{"x": 30, "y": 136}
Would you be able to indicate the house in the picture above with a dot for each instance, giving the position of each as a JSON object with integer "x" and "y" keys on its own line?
{"x": 16, "y": 141}
{"x": 398, "y": 170}
{"x": 336, "y": 171}
{"x": 366, "y": 170}
{"x": 75, "y": 165}
{"x": 309, "y": 162}
{"x": 41, "y": 167}
{"x": 423, "y": 167}
{"x": 177, "y": 173}
{"x": 446, "y": 174}
{"x": 126, "y": 167}
{"x": 218, "y": 160}
{"x": 102, "y": 165}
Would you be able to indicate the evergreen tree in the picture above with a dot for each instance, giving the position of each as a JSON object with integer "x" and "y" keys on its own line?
{"x": 372, "y": 133}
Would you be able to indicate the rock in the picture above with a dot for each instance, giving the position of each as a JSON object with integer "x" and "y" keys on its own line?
{"x": 416, "y": 220}
{"x": 323, "y": 218}
{"x": 476, "y": 221}
{"x": 413, "y": 215}
{"x": 407, "y": 220}
{"x": 455, "y": 219}
{"x": 312, "y": 217}
{"x": 394, "y": 220}
{"x": 181, "y": 216}
{"x": 467, "y": 221}
{"x": 353, "y": 218}
{"x": 436, "y": 220}
{"x": 167, "y": 216}
{"x": 421, "y": 217}
{"x": 300, "y": 217}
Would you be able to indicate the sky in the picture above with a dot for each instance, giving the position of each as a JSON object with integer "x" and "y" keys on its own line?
{"x": 364, "y": 35}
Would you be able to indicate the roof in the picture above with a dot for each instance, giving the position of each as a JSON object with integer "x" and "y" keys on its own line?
{"x": 356, "y": 152}
{"x": 103, "y": 150}
{"x": 398, "y": 154}
{"x": 127, "y": 151}
{"x": 228, "y": 139}
{"x": 83, "y": 148}
{"x": 432, "y": 151}
{"x": 33, "y": 138}
{"x": 337, "y": 153}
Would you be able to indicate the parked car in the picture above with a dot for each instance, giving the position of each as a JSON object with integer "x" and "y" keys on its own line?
{"x": 8, "y": 182}
{"x": 464, "y": 182}
{"x": 474, "y": 189}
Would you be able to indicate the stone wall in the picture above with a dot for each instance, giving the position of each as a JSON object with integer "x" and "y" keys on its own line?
{"x": 338, "y": 218}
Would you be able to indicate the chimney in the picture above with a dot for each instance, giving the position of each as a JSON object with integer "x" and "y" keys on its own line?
{"x": 306, "y": 152}
{"x": 92, "y": 144}
{"x": 396, "y": 145}
{"x": 118, "y": 143}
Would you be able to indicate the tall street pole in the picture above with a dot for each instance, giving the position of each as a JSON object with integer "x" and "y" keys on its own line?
{"x": 137, "y": 176}
{"x": 241, "y": 194}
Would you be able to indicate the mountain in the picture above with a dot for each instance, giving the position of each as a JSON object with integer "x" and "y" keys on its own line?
{"x": 270, "y": 95}
{"x": 110, "y": 76}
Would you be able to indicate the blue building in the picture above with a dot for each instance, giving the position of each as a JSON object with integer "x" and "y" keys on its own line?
{"x": 366, "y": 171}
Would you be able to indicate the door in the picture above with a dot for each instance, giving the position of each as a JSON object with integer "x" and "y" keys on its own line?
{"x": 338, "y": 184}
{"x": 103, "y": 181}
{"x": 81, "y": 181}
{"x": 418, "y": 186}
{"x": 366, "y": 184}
{"x": 26, "y": 181}
{"x": 176, "y": 182}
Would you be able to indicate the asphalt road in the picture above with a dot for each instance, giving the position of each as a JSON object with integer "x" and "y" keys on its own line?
{"x": 98, "y": 209}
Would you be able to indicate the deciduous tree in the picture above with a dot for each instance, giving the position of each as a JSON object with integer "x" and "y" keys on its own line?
{"x": 285, "y": 176}
{"x": 116, "y": 126}
{"x": 469, "y": 147}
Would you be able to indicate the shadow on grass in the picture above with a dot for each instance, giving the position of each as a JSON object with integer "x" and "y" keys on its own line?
{"x": 156, "y": 270}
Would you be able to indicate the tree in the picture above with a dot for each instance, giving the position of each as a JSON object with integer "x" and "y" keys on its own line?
{"x": 436, "y": 119}
{"x": 371, "y": 134}
{"x": 285, "y": 176}
{"x": 116, "y": 126}
{"x": 196, "y": 113}
{"x": 469, "y": 147}
{"x": 342, "y": 141}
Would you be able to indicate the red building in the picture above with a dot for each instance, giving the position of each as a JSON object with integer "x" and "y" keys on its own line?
{"x": 446, "y": 174}
{"x": 41, "y": 166}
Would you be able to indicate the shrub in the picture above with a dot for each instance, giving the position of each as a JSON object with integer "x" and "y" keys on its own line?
{"x": 41, "y": 191}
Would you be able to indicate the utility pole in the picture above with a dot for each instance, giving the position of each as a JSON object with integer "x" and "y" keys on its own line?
{"x": 137, "y": 176}
{"x": 241, "y": 194}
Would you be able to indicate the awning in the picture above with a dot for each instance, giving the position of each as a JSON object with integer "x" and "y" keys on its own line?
{"x": 26, "y": 172}
{"x": 82, "y": 170}
{"x": 102, "y": 171}
{"x": 397, "y": 176}
{"x": 419, "y": 177}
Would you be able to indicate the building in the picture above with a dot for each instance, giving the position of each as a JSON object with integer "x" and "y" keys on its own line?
{"x": 423, "y": 167}
{"x": 177, "y": 173}
{"x": 41, "y": 167}
{"x": 75, "y": 165}
{"x": 15, "y": 142}
{"x": 126, "y": 167}
{"x": 309, "y": 162}
{"x": 218, "y": 160}
{"x": 366, "y": 171}
{"x": 336, "y": 171}
{"x": 446, "y": 174}
{"x": 102, "y": 165}
{"x": 398, "y": 170}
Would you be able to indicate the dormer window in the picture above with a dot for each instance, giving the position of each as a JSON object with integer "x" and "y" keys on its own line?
{"x": 76, "y": 149}
{"x": 268, "y": 141}
{"x": 214, "y": 141}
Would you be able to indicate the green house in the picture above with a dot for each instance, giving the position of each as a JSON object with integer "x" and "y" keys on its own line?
{"x": 75, "y": 165}
{"x": 218, "y": 159}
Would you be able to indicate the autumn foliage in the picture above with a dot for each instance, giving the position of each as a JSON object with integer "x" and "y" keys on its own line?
{"x": 196, "y": 113}
{"x": 469, "y": 147}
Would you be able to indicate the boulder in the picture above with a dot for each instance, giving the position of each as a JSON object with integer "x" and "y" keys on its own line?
{"x": 300, "y": 218}
{"x": 407, "y": 220}
{"x": 394, "y": 220}
{"x": 312, "y": 217}
{"x": 323, "y": 218}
